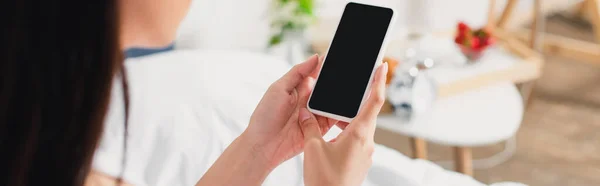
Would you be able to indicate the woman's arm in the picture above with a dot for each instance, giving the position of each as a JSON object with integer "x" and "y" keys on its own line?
{"x": 242, "y": 163}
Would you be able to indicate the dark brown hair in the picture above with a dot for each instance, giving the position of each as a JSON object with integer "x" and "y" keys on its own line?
{"x": 57, "y": 62}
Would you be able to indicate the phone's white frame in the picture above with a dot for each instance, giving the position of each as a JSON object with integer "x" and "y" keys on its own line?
{"x": 377, "y": 64}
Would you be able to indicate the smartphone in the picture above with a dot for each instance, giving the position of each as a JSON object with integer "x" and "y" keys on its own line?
{"x": 353, "y": 56}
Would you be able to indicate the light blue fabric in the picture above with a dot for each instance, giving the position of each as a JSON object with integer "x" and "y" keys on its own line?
{"x": 139, "y": 52}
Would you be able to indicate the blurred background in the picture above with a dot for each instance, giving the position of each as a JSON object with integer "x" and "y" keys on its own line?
{"x": 523, "y": 109}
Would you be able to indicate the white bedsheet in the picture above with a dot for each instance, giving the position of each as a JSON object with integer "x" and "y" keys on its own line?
{"x": 187, "y": 106}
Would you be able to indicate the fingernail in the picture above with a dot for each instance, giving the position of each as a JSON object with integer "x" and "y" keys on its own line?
{"x": 304, "y": 114}
{"x": 312, "y": 58}
{"x": 311, "y": 82}
{"x": 385, "y": 67}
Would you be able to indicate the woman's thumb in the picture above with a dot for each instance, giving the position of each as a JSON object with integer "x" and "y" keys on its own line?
{"x": 309, "y": 125}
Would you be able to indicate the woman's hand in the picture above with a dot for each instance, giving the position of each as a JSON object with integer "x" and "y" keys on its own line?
{"x": 345, "y": 160}
{"x": 274, "y": 124}
{"x": 273, "y": 135}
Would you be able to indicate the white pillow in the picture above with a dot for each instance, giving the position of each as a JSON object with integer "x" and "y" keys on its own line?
{"x": 225, "y": 24}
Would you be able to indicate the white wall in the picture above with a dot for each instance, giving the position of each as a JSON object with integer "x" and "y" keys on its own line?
{"x": 441, "y": 14}
{"x": 243, "y": 24}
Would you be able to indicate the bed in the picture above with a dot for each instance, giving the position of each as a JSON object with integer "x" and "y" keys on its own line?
{"x": 188, "y": 105}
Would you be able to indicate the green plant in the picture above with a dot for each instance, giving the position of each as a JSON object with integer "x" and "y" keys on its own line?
{"x": 289, "y": 16}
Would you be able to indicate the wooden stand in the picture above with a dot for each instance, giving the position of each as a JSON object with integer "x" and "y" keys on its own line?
{"x": 563, "y": 46}
{"x": 419, "y": 148}
{"x": 584, "y": 51}
{"x": 463, "y": 159}
{"x": 593, "y": 8}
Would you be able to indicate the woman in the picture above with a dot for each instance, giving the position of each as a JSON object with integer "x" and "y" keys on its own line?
{"x": 58, "y": 62}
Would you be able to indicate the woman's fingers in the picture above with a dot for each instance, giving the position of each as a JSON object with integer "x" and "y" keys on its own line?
{"x": 317, "y": 70}
{"x": 309, "y": 126}
{"x": 365, "y": 120}
{"x": 332, "y": 122}
{"x": 297, "y": 74}
{"x": 304, "y": 90}
{"x": 376, "y": 98}
{"x": 323, "y": 124}
{"x": 342, "y": 125}
{"x": 333, "y": 140}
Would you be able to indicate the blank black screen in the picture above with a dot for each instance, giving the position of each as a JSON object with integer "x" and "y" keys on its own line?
{"x": 351, "y": 58}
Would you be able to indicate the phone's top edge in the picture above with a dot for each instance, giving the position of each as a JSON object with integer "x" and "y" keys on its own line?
{"x": 371, "y": 4}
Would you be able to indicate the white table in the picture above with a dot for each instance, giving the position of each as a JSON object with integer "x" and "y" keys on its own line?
{"x": 478, "y": 117}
